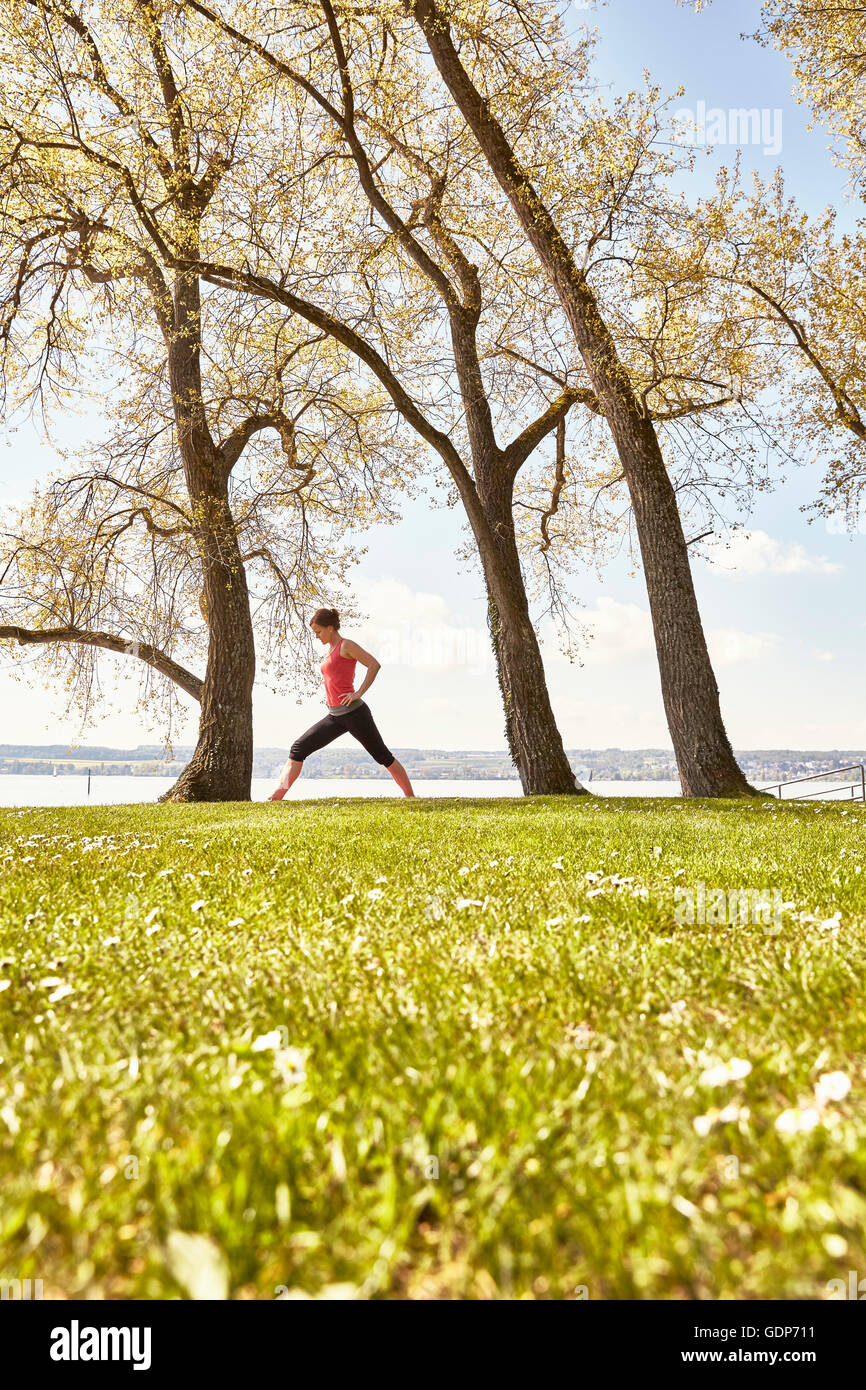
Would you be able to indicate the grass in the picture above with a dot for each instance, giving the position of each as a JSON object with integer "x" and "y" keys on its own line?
{"x": 479, "y": 1070}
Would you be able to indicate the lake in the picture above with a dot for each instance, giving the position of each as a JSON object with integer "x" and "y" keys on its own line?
{"x": 43, "y": 790}
{"x": 34, "y": 790}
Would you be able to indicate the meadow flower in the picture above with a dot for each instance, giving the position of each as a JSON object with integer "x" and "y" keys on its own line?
{"x": 290, "y": 1063}
{"x": 198, "y": 1265}
{"x": 376, "y": 894}
{"x": 728, "y": 1115}
{"x": 268, "y": 1041}
{"x": 197, "y": 905}
{"x": 835, "y": 1245}
{"x": 10, "y": 1119}
{"x": 831, "y": 923}
{"x": 468, "y": 902}
{"x": 832, "y": 1085}
{"x": 798, "y": 1121}
{"x": 723, "y": 1072}
{"x": 731, "y": 1114}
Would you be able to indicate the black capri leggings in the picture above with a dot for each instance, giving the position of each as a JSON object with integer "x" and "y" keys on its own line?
{"x": 359, "y": 723}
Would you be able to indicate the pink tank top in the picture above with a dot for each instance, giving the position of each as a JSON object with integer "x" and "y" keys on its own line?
{"x": 339, "y": 674}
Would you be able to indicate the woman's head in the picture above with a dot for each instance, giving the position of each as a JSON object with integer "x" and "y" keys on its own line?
{"x": 325, "y": 623}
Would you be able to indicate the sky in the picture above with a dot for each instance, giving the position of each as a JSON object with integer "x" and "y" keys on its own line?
{"x": 781, "y": 604}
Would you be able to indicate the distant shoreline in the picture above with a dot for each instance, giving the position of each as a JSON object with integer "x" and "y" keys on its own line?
{"x": 761, "y": 766}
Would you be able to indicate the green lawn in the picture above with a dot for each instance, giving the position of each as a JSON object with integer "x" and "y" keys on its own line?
{"x": 489, "y": 1057}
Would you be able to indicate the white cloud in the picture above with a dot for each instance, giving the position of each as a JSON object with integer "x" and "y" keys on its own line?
{"x": 389, "y": 602}
{"x": 410, "y": 627}
{"x": 624, "y": 630}
{"x": 755, "y": 552}
{"x": 729, "y": 646}
{"x": 619, "y": 630}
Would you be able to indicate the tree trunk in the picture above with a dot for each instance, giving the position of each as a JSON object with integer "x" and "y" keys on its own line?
{"x": 705, "y": 759}
{"x": 221, "y": 766}
{"x": 704, "y": 755}
{"x": 534, "y": 740}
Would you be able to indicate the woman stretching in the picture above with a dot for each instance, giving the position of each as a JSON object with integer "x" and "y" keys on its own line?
{"x": 347, "y": 713}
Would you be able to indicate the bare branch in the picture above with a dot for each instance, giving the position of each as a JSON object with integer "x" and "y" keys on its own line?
{"x": 558, "y": 485}
{"x": 515, "y": 454}
{"x": 152, "y": 656}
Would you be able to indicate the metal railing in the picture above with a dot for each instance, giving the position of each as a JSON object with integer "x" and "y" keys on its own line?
{"x": 857, "y": 788}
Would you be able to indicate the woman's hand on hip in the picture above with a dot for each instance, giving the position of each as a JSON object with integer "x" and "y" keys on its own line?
{"x": 348, "y": 699}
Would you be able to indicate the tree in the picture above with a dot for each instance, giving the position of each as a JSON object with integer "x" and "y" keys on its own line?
{"x": 807, "y": 277}
{"x": 802, "y": 280}
{"x": 424, "y": 340}
{"x": 483, "y": 52}
{"x": 801, "y": 277}
{"x": 826, "y": 42}
{"x": 233, "y": 434}
{"x": 437, "y": 220}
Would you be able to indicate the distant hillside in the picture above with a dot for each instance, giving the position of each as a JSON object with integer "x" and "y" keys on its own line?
{"x": 347, "y": 759}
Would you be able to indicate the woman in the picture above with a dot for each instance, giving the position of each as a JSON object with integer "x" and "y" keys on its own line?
{"x": 347, "y": 713}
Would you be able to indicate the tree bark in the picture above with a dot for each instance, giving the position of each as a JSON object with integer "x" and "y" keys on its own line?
{"x": 221, "y": 766}
{"x": 534, "y": 740}
{"x": 705, "y": 758}
{"x": 704, "y": 755}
